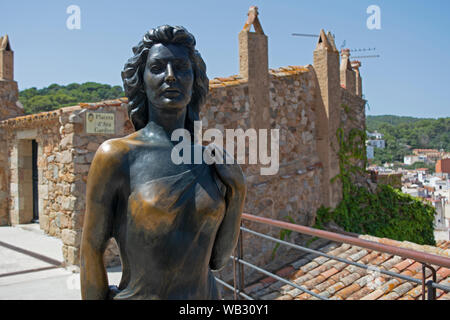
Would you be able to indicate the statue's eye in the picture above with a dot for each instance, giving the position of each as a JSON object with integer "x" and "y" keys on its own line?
{"x": 156, "y": 68}
{"x": 182, "y": 65}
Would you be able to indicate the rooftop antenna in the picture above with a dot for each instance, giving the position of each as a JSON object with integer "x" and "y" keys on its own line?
{"x": 309, "y": 35}
{"x": 305, "y": 35}
{"x": 364, "y": 50}
{"x": 367, "y": 57}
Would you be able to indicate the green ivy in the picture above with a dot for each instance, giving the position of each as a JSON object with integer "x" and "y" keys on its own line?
{"x": 387, "y": 213}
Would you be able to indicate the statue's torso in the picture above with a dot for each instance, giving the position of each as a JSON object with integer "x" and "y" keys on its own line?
{"x": 168, "y": 229}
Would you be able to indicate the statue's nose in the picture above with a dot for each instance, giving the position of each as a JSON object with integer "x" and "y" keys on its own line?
{"x": 170, "y": 76}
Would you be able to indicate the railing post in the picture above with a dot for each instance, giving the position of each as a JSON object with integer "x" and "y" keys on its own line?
{"x": 240, "y": 256}
{"x": 428, "y": 284}
{"x": 234, "y": 276}
{"x": 431, "y": 290}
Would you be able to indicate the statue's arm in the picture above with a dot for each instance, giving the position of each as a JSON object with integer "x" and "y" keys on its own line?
{"x": 100, "y": 196}
{"x": 227, "y": 235}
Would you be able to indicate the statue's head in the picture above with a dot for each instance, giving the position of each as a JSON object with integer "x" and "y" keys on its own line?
{"x": 142, "y": 75}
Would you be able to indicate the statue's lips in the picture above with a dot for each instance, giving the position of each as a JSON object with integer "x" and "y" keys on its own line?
{"x": 171, "y": 92}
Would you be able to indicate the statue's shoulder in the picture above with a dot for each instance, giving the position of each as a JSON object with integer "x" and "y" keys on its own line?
{"x": 114, "y": 150}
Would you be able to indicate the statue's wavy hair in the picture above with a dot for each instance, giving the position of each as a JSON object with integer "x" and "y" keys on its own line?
{"x": 132, "y": 75}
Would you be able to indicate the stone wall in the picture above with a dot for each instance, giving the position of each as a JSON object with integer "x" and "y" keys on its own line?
{"x": 294, "y": 193}
{"x": 18, "y": 134}
{"x": 4, "y": 180}
{"x": 77, "y": 149}
{"x": 65, "y": 152}
{"x": 353, "y": 116}
{"x": 9, "y": 95}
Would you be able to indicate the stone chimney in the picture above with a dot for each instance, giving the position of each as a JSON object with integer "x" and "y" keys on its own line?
{"x": 9, "y": 91}
{"x": 348, "y": 76}
{"x": 326, "y": 66}
{"x": 356, "y": 65}
{"x": 6, "y": 59}
{"x": 254, "y": 66}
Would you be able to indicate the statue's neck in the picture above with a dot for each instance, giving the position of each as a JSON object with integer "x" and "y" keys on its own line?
{"x": 168, "y": 120}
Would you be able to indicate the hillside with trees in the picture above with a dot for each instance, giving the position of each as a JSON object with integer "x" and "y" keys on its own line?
{"x": 403, "y": 134}
{"x": 56, "y": 96}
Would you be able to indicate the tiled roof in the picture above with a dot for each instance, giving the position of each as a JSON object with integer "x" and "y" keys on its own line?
{"x": 237, "y": 79}
{"x": 228, "y": 81}
{"x": 31, "y": 118}
{"x": 54, "y": 114}
{"x": 288, "y": 71}
{"x": 339, "y": 281}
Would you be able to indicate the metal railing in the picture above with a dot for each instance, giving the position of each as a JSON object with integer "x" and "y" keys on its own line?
{"x": 427, "y": 260}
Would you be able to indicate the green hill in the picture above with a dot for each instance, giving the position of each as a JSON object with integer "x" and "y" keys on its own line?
{"x": 402, "y": 134}
{"x": 56, "y": 96}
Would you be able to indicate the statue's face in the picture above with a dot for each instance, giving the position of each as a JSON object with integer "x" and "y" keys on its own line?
{"x": 168, "y": 77}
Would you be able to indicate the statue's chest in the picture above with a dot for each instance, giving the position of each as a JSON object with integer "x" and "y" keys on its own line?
{"x": 186, "y": 201}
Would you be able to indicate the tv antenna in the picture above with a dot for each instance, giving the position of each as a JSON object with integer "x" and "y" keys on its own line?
{"x": 367, "y": 57}
{"x": 305, "y": 35}
{"x": 364, "y": 50}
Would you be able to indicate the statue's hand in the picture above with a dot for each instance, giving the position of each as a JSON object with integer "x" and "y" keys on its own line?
{"x": 230, "y": 174}
{"x": 112, "y": 292}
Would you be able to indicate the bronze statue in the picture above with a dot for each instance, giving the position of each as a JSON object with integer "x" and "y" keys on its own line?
{"x": 173, "y": 223}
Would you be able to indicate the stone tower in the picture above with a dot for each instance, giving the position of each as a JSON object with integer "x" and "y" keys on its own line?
{"x": 348, "y": 76}
{"x": 356, "y": 65}
{"x": 9, "y": 92}
{"x": 326, "y": 66}
{"x": 254, "y": 66}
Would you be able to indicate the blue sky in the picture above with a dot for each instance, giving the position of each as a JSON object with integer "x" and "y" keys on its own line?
{"x": 410, "y": 79}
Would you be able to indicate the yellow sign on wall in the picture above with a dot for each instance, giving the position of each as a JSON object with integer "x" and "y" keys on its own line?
{"x": 97, "y": 122}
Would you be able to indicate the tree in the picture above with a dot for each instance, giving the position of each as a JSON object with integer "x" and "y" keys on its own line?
{"x": 56, "y": 96}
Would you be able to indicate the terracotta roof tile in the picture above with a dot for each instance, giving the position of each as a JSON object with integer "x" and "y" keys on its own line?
{"x": 403, "y": 288}
{"x": 330, "y": 273}
{"x": 348, "y": 280}
{"x": 371, "y": 256}
{"x": 391, "y": 263}
{"x": 310, "y": 266}
{"x": 310, "y": 284}
{"x": 390, "y": 296}
{"x": 415, "y": 267}
{"x": 339, "y": 281}
{"x": 285, "y": 297}
{"x": 324, "y": 285}
{"x": 354, "y": 269}
{"x": 237, "y": 79}
{"x": 302, "y": 279}
{"x": 360, "y": 293}
{"x": 404, "y": 264}
{"x": 374, "y": 295}
{"x": 444, "y": 272}
{"x": 335, "y": 287}
{"x": 346, "y": 292}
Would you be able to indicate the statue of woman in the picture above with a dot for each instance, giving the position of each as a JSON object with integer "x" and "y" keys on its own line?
{"x": 173, "y": 223}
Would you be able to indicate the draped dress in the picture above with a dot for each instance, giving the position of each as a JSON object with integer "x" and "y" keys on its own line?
{"x": 167, "y": 236}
